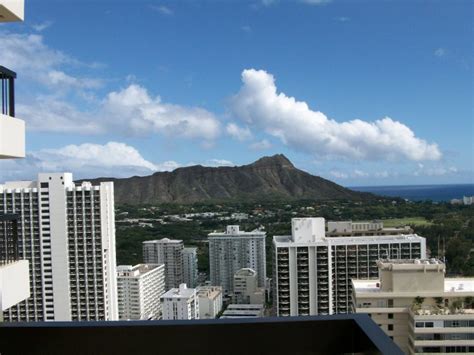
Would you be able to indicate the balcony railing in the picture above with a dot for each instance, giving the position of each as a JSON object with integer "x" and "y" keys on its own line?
{"x": 7, "y": 91}
{"x": 336, "y": 334}
{"x": 8, "y": 238}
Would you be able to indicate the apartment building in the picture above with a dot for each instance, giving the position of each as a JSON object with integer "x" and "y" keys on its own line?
{"x": 139, "y": 289}
{"x": 180, "y": 303}
{"x": 357, "y": 229}
{"x": 246, "y": 288}
{"x": 233, "y": 250}
{"x": 420, "y": 309}
{"x": 312, "y": 273}
{"x": 14, "y": 270}
{"x": 67, "y": 233}
{"x": 170, "y": 253}
{"x": 210, "y": 301}
{"x": 237, "y": 311}
{"x": 190, "y": 266}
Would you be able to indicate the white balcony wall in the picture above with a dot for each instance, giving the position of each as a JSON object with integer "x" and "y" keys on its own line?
{"x": 14, "y": 283}
{"x": 12, "y": 137}
{"x": 12, "y": 10}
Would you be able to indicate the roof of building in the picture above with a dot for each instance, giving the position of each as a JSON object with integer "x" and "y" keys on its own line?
{"x": 450, "y": 285}
{"x": 210, "y": 292}
{"x": 181, "y": 292}
{"x": 163, "y": 240}
{"x": 137, "y": 270}
{"x": 353, "y": 240}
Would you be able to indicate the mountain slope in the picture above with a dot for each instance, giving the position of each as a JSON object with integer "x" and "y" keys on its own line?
{"x": 268, "y": 178}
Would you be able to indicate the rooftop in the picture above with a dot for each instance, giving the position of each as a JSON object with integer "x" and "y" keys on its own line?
{"x": 181, "y": 292}
{"x": 137, "y": 270}
{"x": 450, "y": 285}
{"x": 163, "y": 240}
{"x": 352, "y": 240}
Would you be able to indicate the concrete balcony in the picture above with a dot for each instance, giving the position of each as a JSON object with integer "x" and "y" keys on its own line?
{"x": 12, "y": 137}
{"x": 14, "y": 283}
{"x": 12, "y": 10}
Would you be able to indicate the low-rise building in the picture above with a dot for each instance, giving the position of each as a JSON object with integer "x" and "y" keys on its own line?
{"x": 139, "y": 289}
{"x": 210, "y": 301}
{"x": 180, "y": 303}
{"x": 243, "y": 311}
{"x": 246, "y": 289}
{"x": 357, "y": 229}
{"x": 420, "y": 309}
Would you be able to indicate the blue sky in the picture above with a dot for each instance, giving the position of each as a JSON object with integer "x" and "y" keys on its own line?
{"x": 360, "y": 92}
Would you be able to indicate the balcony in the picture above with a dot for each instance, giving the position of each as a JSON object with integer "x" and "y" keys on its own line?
{"x": 348, "y": 334}
{"x": 12, "y": 10}
{"x": 12, "y": 130}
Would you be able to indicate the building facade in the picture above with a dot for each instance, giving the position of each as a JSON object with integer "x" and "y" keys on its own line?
{"x": 312, "y": 273}
{"x": 170, "y": 253}
{"x": 416, "y": 306}
{"x": 233, "y": 250}
{"x": 67, "y": 233}
{"x": 180, "y": 303}
{"x": 210, "y": 301}
{"x": 246, "y": 290}
{"x": 190, "y": 266}
{"x": 357, "y": 229}
{"x": 139, "y": 289}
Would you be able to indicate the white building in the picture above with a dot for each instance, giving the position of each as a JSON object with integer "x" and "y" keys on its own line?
{"x": 190, "y": 266}
{"x": 139, "y": 289}
{"x": 67, "y": 233}
{"x": 233, "y": 250}
{"x": 312, "y": 272}
{"x": 356, "y": 229}
{"x": 243, "y": 311}
{"x": 180, "y": 303}
{"x": 420, "y": 309}
{"x": 169, "y": 252}
{"x": 246, "y": 289}
{"x": 210, "y": 301}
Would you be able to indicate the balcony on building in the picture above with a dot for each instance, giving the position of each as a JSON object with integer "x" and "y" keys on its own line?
{"x": 14, "y": 272}
{"x": 12, "y": 129}
{"x": 12, "y": 10}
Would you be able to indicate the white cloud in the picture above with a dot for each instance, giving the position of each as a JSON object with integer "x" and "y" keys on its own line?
{"x": 264, "y": 144}
{"x": 39, "y": 27}
{"x": 338, "y": 174}
{"x": 59, "y": 78}
{"x": 133, "y": 111}
{"x": 87, "y": 160}
{"x": 342, "y": 19}
{"x": 435, "y": 170}
{"x": 440, "y": 52}
{"x": 237, "y": 132}
{"x": 165, "y": 10}
{"x": 259, "y": 105}
{"x": 382, "y": 174}
{"x": 269, "y": 2}
{"x": 360, "y": 173}
{"x": 246, "y": 28}
{"x": 219, "y": 162}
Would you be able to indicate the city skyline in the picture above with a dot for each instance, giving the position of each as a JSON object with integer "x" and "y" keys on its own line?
{"x": 373, "y": 97}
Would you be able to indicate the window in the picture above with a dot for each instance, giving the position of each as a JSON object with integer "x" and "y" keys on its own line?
{"x": 390, "y": 303}
{"x": 390, "y": 327}
{"x": 390, "y": 316}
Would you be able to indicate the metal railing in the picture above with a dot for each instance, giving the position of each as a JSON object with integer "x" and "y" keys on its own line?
{"x": 8, "y": 238}
{"x": 7, "y": 91}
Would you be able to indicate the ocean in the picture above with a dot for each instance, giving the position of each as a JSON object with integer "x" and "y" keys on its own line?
{"x": 421, "y": 192}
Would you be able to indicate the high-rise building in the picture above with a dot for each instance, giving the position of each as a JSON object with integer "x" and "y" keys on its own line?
{"x": 67, "y": 233}
{"x": 246, "y": 289}
{"x": 190, "y": 266}
{"x": 139, "y": 289}
{"x": 180, "y": 303}
{"x": 210, "y": 301}
{"x": 312, "y": 272}
{"x": 169, "y": 252}
{"x": 420, "y": 309}
{"x": 233, "y": 250}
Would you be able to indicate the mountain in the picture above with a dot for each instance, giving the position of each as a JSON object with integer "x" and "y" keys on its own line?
{"x": 268, "y": 178}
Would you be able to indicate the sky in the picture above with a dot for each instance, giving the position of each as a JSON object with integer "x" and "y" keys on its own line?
{"x": 358, "y": 92}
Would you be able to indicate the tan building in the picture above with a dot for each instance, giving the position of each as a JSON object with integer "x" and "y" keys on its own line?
{"x": 420, "y": 309}
{"x": 210, "y": 301}
{"x": 246, "y": 288}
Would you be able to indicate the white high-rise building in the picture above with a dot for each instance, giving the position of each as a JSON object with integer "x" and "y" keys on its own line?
{"x": 190, "y": 266}
{"x": 312, "y": 272}
{"x": 169, "y": 252}
{"x": 180, "y": 303}
{"x": 67, "y": 233}
{"x": 210, "y": 301}
{"x": 139, "y": 289}
{"x": 233, "y": 250}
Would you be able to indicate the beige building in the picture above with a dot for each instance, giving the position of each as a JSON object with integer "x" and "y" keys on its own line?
{"x": 246, "y": 288}
{"x": 420, "y": 309}
{"x": 210, "y": 301}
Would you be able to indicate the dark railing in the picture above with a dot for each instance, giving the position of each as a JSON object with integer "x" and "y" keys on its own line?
{"x": 7, "y": 91}
{"x": 337, "y": 334}
{"x": 8, "y": 238}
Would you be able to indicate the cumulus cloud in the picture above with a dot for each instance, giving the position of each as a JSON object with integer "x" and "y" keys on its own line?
{"x": 219, "y": 162}
{"x": 338, "y": 174}
{"x": 86, "y": 160}
{"x": 261, "y": 145}
{"x": 260, "y": 105}
{"x": 238, "y": 133}
{"x": 39, "y": 27}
